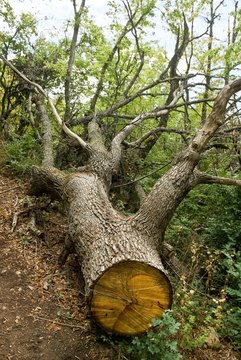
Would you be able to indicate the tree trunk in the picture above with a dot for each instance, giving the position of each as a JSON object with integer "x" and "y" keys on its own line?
{"x": 125, "y": 281}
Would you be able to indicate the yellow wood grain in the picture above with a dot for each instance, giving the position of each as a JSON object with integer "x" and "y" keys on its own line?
{"x": 128, "y": 296}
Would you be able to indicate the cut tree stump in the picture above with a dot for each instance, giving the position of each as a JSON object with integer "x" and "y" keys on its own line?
{"x": 128, "y": 296}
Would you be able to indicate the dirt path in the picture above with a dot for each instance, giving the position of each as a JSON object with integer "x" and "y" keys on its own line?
{"x": 42, "y": 312}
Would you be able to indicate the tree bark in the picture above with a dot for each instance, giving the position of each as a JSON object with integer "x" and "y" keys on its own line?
{"x": 125, "y": 281}
{"x": 47, "y": 141}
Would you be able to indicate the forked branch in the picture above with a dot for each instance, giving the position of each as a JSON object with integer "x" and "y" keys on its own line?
{"x": 182, "y": 176}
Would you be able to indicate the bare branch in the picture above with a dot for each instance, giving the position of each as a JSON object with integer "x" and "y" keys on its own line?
{"x": 156, "y": 132}
{"x": 121, "y": 136}
{"x": 71, "y": 59}
{"x": 41, "y": 91}
{"x": 216, "y": 117}
{"x": 203, "y": 178}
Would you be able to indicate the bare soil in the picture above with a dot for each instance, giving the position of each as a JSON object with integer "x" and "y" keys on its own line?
{"x": 43, "y": 314}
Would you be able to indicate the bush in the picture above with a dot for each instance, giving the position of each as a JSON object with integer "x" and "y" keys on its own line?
{"x": 158, "y": 343}
{"x": 231, "y": 326}
{"x": 22, "y": 153}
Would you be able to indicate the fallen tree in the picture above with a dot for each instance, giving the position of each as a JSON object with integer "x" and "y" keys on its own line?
{"x": 125, "y": 281}
{"x": 120, "y": 256}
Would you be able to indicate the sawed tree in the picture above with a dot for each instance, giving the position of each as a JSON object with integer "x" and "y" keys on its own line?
{"x": 120, "y": 256}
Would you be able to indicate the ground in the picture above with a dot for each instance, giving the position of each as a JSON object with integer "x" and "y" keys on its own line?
{"x": 43, "y": 313}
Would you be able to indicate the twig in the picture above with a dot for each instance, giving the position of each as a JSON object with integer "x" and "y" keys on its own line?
{"x": 142, "y": 177}
{"x": 14, "y": 222}
{"x": 57, "y": 322}
{"x": 4, "y": 191}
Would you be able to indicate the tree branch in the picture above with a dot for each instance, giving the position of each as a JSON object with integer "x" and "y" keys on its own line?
{"x": 40, "y": 90}
{"x": 203, "y": 178}
{"x": 157, "y": 210}
{"x": 216, "y": 117}
{"x": 116, "y": 144}
{"x": 71, "y": 59}
{"x": 140, "y": 52}
{"x": 156, "y": 132}
{"x": 48, "y": 156}
{"x": 129, "y": 26}
{"x": 125, "y": 101}
{"x": 121, "y": 136}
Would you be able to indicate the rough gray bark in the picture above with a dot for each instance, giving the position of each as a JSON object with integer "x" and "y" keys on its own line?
{"x": 77, "y": 18}
{"x": 102, "y": 236}
{"x": 47, "y": 141}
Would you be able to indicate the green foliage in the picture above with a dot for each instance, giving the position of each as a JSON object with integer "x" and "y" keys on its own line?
{"x": 194, "y": 312}
{"x": 231, "y": 263}
{"x": 24, "y": 241}
{"x": 188, "y": 340}
{"x": 206, "y": 232}
{"x": 224, "y": 226}
{"x": 22, "y": 154}
{"x": 18, "y": 31}
{"x": 231, "y": 325}
{"x": 157, "y": 343}
{"x": 231, "y": 266}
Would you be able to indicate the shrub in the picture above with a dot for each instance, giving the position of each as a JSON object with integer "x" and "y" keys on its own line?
{"x": 22, "y": 153}
{"x": 158, "y": 343}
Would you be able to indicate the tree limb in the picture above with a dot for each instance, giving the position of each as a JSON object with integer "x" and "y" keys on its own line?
{"x": 180, "y": 178}
{"x": 48, "y": 156}
{"x": 216, "y": 117}
{"x": 153, "y": 113}
{"x": 156, "y": 132}
{"x": 203, "y": 178}
{"x": 125, "y": 101}
{"x": 40, "y": 90}
{"x": 129, "y": 26}
{"x": 71, "y": 59}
